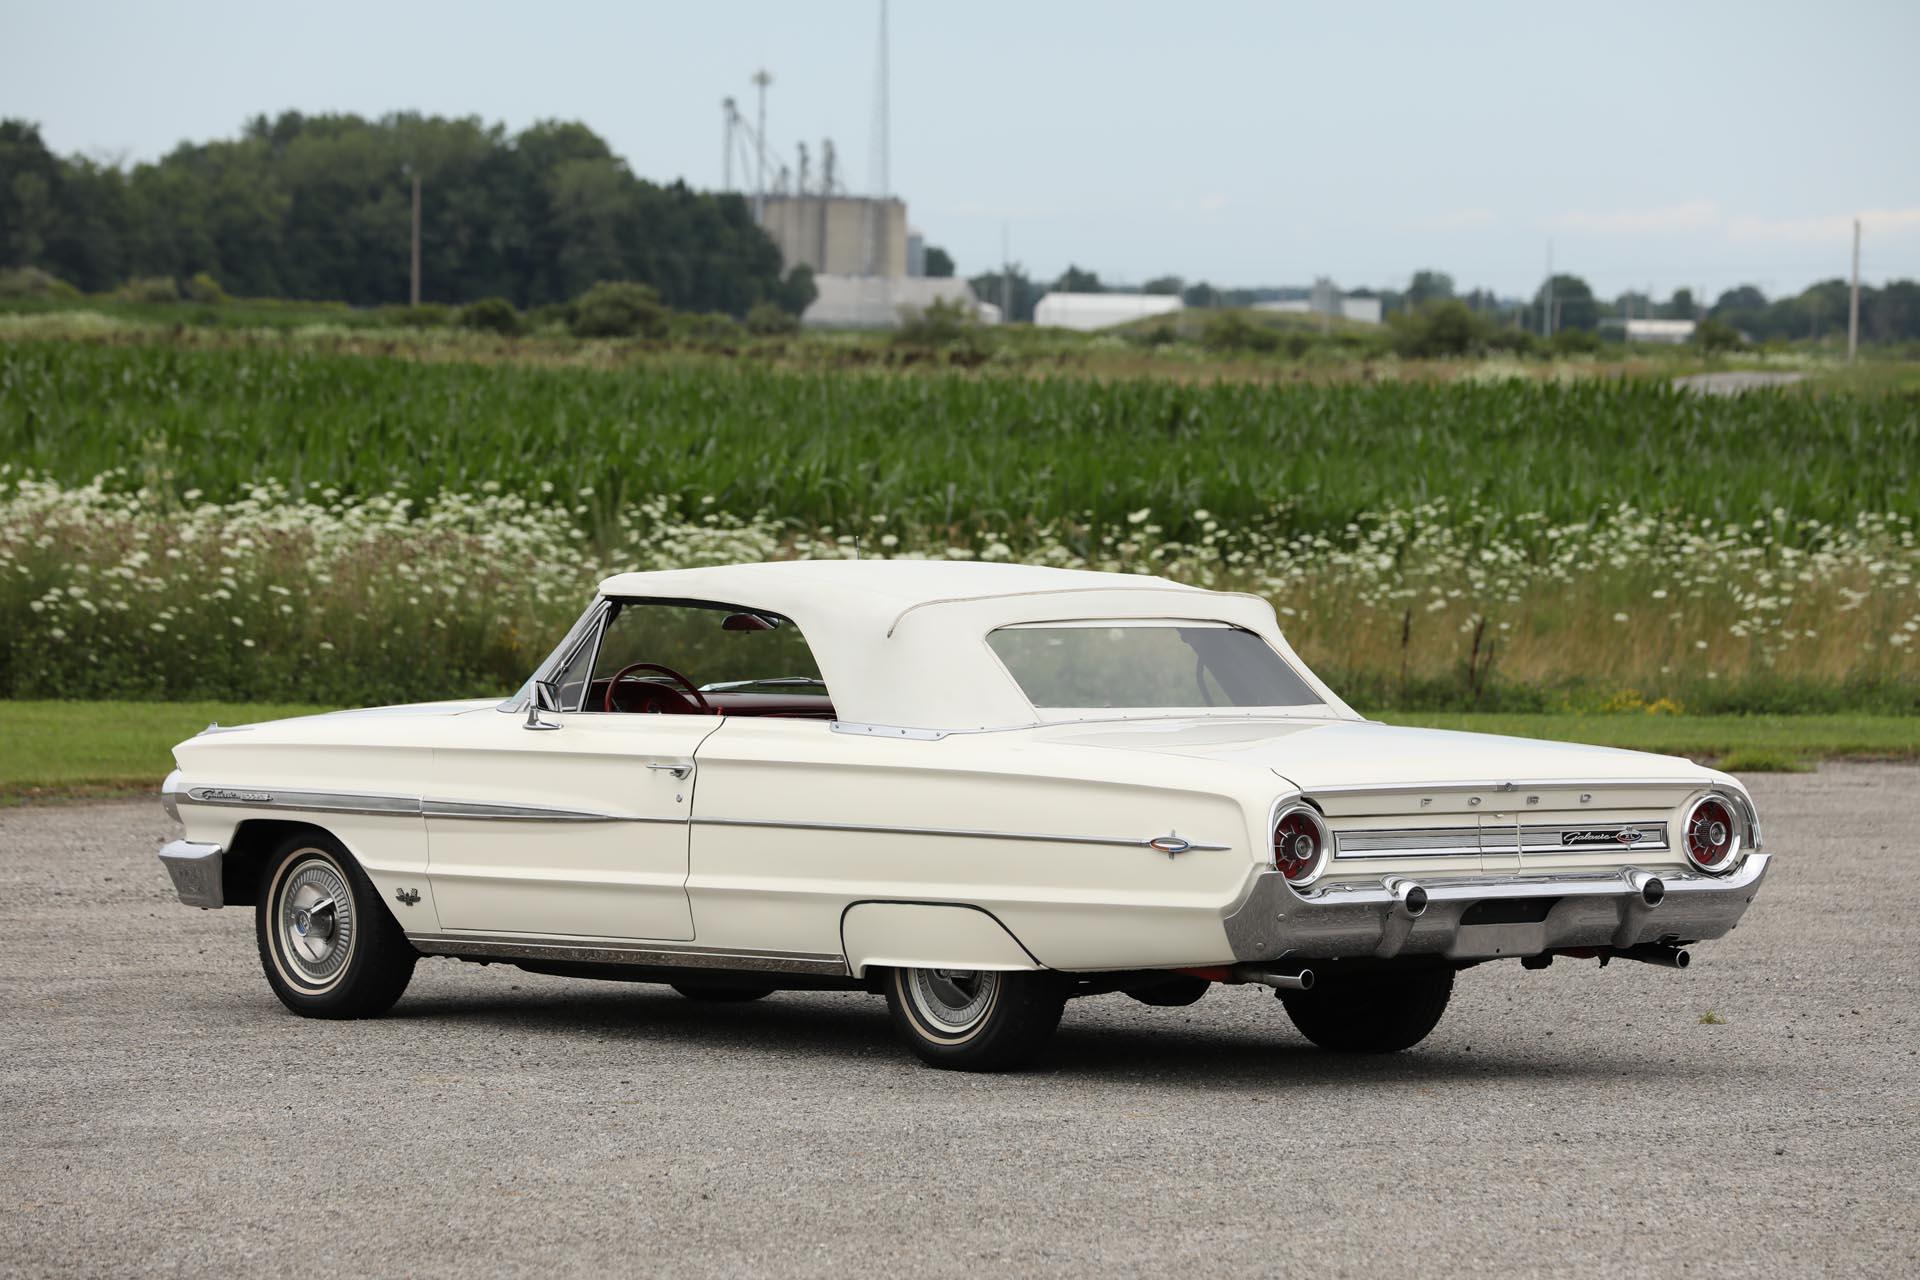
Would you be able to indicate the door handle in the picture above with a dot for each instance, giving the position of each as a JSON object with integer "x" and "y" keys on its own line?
{"x": 681, "y": 770}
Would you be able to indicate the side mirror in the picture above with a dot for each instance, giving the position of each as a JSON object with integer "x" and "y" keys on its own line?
{"x": 545, "y": 696}
{"x": 745, "y": 622}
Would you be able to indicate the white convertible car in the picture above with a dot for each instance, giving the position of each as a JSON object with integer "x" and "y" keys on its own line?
{"x": 980, "y": 790}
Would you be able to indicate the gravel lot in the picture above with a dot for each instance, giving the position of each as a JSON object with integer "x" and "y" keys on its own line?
{"x": 162, "y": 1113}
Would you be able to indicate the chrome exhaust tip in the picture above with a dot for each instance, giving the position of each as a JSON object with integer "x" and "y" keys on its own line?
{"x": 1297, "y": 980}
{"x": 1409, "y": 897}
{"x": 1657, "y": 953}
{"x": 1651, "y": 888}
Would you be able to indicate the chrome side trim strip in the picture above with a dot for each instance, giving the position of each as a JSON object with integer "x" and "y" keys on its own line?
{"x": 495, "y": 812}
{"x": 969, "y": 833}
{"x": 303, "y": 801}
{"x": 402, "y": 806}
{"x": 664, "y": 954}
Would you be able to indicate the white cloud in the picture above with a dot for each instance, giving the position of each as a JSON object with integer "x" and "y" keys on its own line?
{"x": 1833, "y": 228}
{"x": 1695, "y": 215}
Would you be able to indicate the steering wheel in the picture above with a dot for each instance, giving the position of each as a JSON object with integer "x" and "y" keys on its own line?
{"x": 693, "y": 702}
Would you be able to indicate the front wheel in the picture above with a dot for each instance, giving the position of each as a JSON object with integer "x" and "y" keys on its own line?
{"x": 1371, "y": 1013}
{"x": 329, "y": 948}
{"x": 974, "y": 1020}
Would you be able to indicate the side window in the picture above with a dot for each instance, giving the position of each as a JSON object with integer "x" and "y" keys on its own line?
{"x": 694, "y": 658}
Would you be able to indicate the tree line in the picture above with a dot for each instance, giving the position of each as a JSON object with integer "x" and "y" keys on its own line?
{"x": 320, "y": 207}
{"x": 1890, "y": 313}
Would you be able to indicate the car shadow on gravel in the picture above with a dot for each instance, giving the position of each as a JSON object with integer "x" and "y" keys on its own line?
{"x": 853, "y": 1025}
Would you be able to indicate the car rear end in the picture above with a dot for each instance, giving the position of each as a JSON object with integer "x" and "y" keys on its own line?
{"x": 1472, "y": 871}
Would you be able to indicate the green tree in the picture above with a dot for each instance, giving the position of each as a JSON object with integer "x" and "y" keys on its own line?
{"x": 1573, "y": 304}
{"x": 619, "y": 309}
{"x": 1074, "y": 280}
{"x": 939, "y": 263}
{"x": 1012, "y": 292}
{"x": 1429, "y": 286}
{"x": 1680, "y": 306}
{"x": 1164, "y": 286}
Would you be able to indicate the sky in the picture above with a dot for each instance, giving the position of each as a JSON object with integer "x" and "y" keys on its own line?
{"x": 1642, "y": 145}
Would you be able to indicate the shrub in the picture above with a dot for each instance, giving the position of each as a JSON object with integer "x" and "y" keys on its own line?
{"x": 32, "y": 282}
{"x": 942, "y": 324}
{"x": 1232, "y": 331}
{"x": 1438, "y": 330}
{"x": 428, "y": 315}
{"x": 205, "y": 290}
{"x": 1716, "y": 335}
{"x": 768, "y": 319}
{"x": 492, "y": 315}
{"x": 619, "y": 309}
{"x": 150, "y": 289}
{"x": 1576, "y": 342}
{"x": 710, "y": 328}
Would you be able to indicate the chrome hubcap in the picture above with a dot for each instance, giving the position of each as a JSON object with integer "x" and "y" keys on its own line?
{"x": 952, "y": 999}
{"x": 316, "y": 921}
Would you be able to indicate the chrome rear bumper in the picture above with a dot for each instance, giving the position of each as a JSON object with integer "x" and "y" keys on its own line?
{"x": 195, "y": 870}
{"x": 1437, "y": 916}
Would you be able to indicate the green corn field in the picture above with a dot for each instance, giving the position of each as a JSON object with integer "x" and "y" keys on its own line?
{"x": 953, "y": 456}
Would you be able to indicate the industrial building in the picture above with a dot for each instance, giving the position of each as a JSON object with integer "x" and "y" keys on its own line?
{"x": 1088, "y": 311}
{"x": 840, "y": 235}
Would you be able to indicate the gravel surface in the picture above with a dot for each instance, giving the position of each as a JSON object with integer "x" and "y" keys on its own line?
{"x": 162, "y": 1114}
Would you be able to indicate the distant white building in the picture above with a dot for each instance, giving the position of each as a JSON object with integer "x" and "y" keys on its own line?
{"x": 1327, "y": 300}
{"x": 1102, "y": 310}
{"x": 879, "y": 302}
{"x": 1670, "y": 333}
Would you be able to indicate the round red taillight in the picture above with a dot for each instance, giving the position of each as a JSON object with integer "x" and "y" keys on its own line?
{"x": 1712, "y": 838}
{"x": 1299, "y": 844}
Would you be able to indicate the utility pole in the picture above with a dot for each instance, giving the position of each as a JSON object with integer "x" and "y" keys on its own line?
{"x": 1546, "y": 309}
{"x": 761, "y": 79}
{"x": 1853, "y": 303}
{"x": 415, "y": 292}
{"x": 726, "y": 145}
{"x": 1006, "y": 278}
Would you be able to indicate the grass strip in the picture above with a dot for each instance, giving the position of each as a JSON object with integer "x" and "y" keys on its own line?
{"x": 64, "y": 750}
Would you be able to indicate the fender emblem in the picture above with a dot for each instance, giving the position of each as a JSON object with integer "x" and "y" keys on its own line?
{"x": 218, "y": 794}
{"x": 408, "y": 896}
{"x": 1170, "y": 845}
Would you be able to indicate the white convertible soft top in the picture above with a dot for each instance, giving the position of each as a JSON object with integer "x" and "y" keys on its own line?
{"x": 903, "y": 642}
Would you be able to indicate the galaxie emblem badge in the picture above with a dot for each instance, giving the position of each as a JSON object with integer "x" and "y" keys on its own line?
{"x": 1627, "y": 836}
{"x": 223, "y": 794}
{"x": 407, "y": 897}
{"x": 1170, "y": 845}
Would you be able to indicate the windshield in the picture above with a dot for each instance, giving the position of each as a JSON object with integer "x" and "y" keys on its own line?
{"x": 1151, "y": 663}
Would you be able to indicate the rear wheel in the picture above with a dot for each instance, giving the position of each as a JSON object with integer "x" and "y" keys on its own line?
{"x": 328, "y": 945}
{"x": 1371, "y": 1013}
{"x": 721, "y": 995}
{"x": 974, "y": 1020}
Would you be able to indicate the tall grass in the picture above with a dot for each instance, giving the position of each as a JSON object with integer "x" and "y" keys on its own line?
{"x": 945, "y": 458}
{"x": 117, "y": 594}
